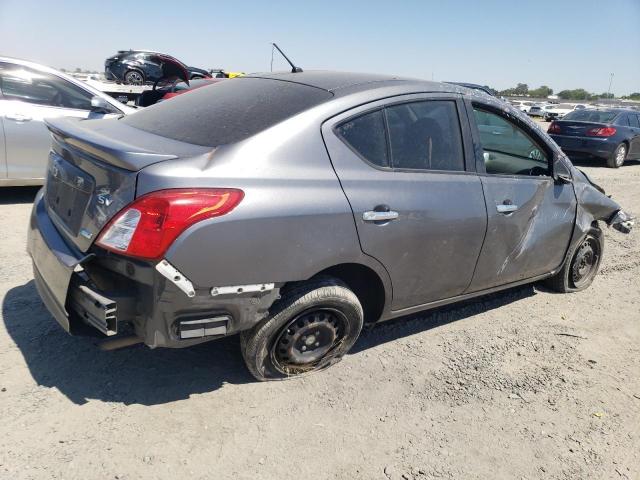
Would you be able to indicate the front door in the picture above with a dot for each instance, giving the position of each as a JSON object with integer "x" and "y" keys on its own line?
{"x": 530, "y": 217}
{"x": 28, "y": 97}
{"x": 417, "y": 207}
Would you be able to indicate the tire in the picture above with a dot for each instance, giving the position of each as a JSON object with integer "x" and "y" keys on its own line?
{"x": 617, "y": 158}
{"x": 311, "y": 327}
{"x": 574, "y": 277}
{"x": 134, "y": 77}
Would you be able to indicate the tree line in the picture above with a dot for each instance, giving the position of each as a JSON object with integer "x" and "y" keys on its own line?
{"x": 522, "y": 89}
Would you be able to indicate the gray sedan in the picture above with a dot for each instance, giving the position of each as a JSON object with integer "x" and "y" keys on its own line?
{"x": 296, "y": 208}
{"x": 29, "y": 93}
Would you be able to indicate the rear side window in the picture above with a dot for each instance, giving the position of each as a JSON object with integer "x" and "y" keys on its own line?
{"x": 366, "y": 135}
{"x": 421, "y": 135}
{"x": 425, "y": 136}
{"x": 227, "y": 112}
{"x": 590, "y": 116}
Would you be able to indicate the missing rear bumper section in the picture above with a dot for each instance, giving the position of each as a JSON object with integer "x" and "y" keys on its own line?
{"x": 95, "y": 309}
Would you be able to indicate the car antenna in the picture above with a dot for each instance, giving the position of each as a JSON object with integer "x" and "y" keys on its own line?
{"x": 294, "y": 69}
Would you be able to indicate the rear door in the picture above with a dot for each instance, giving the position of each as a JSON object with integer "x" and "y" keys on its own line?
{"x": 634, "y": 141}
{"x": 530, "y": 217}
{"x": 417, "y": 203}
{"x": 28, "y": 97}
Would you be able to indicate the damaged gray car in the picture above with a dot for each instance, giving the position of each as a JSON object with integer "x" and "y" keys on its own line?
{"x": 295, "y": 208}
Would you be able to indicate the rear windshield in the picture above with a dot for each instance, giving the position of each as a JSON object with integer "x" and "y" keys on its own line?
{"x": 228, "y": 111}
{"x": 590, "y": 116}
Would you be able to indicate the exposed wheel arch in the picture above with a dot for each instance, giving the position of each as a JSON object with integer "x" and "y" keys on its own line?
{"x": 365, "y": 283}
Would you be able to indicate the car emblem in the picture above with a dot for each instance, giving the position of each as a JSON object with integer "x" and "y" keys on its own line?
{"x": 86, "y": 233}
{"x": 54, "y": 171}
{"x": 79, "y": 182}
{"x": 105, "y": 199}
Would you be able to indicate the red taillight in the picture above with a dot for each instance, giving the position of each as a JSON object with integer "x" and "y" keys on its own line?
{"x": 148, "y": 226}
{"x": 601, "y": 132}
{"x": 554, "y": 128}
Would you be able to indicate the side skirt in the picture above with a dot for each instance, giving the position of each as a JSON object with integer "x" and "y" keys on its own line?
{"x": 439, "y": 303}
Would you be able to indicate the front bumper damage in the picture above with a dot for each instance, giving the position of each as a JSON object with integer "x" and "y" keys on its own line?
{"x": 104, "y": 291}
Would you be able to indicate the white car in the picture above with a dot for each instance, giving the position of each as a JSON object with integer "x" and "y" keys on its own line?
{"x": 558, "y": 111}
{"x": 524, "y": 106}
{"x": 29, "y": 93}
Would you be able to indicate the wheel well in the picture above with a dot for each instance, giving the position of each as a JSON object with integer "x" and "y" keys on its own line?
{"x": 365, "y": 283}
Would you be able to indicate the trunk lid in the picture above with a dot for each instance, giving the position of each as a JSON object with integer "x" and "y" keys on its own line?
{"x": 92, "y": 172}
{"x": 576, "y": 129}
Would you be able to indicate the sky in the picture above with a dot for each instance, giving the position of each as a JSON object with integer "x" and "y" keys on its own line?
{"x": 564, "y": 44}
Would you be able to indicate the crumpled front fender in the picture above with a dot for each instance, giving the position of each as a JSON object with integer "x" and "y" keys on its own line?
{"x": 594, "y": 204}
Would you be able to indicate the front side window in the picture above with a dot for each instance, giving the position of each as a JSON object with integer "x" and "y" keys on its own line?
{"x": 31, "y": 86}
{"x": 507, "y": 149}
{"x": 425, "y": 136}
{"x": 633, "y": 120}
{"x": 366, "y": 135}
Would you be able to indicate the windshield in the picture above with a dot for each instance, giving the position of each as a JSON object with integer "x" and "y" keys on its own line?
{"x": 590, "y": 116}
{"x": 227, "y": 112}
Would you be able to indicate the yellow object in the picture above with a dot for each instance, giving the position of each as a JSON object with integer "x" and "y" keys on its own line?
{"x": 234, "y": 74}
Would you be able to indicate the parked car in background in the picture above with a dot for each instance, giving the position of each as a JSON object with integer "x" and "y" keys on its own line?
{"x": 166, "y": 92}
{"x": 288, "y": 220}
{"x": 560, "y": 110}
{"x": 139, "y": 67}
{"x": 523, "y": 106}
{"x": 536, "y": 110}
{"x": 29, "y": 93}
{"x": 612, "y": 135}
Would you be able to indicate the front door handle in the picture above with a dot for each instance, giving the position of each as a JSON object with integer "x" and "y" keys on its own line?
{"x": 506, "y": 208}
{"x": 373, "y": 216}
{"x": 18, "y": 117}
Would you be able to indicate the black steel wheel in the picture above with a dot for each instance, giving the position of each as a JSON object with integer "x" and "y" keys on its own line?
{"x": 581, "y": 264}
{"x": 585, "y": 262}
{"x": 308, "y": 340}
{"x": 311, "y": 327}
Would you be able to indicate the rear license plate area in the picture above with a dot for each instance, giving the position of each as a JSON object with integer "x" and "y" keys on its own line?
{"x": 68, "y": 192}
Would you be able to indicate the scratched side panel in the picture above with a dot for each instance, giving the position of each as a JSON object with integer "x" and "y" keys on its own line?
{"x": 530, "y": 241}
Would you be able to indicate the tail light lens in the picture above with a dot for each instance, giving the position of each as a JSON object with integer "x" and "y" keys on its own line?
{"x": 148, "y": 226}
{"x": 554, "y": 128}
{"x": 601, "y": 132}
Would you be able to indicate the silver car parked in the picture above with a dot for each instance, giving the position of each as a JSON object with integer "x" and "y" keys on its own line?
{"x": 295, "y": 208}
{"x": 29, "y": 93}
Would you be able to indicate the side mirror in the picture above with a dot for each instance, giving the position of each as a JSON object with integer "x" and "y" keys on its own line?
{"x": 561, "y": 173}
{"x": 100, "y": 105}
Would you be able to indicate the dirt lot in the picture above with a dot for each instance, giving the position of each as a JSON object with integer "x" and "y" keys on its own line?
{"x": 525, "y": 384}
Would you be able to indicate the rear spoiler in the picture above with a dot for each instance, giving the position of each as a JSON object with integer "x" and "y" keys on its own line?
{"x": 119, "y": 144}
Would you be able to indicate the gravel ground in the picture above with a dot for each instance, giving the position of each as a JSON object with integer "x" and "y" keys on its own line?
{"x": 524, "y": 384}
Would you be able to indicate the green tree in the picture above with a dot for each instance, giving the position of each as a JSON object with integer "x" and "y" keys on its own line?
{"x": 577, "y": 94}
{"x": 521, "y": 89}
{"x": 542, "y": 92}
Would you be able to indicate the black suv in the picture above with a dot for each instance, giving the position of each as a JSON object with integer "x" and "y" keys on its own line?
{"x": 137, "y": 67}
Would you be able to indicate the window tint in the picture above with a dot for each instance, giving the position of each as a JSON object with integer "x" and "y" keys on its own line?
{"x": 633, "y": 120}
{"x": 425, "y": 135}
{"x": 31, "y": 86}
{"x": 366, "y": 135}
{"x": 507, "y": 149}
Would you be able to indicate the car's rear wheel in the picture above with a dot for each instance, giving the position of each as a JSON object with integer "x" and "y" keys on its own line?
{"x": 617, "y": 158}
{"x": 134, "y": 77}
{"x": 581, "y": 266}
{"x": 310, "y": 328}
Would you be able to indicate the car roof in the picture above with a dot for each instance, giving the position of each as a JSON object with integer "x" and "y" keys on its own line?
{"x": 344, "y": 83}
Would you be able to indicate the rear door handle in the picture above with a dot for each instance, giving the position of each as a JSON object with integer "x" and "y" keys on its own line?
{"x": 18, "y": 117}
{"x": 373, "y": 216}
{"x": 506, "y": 208}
